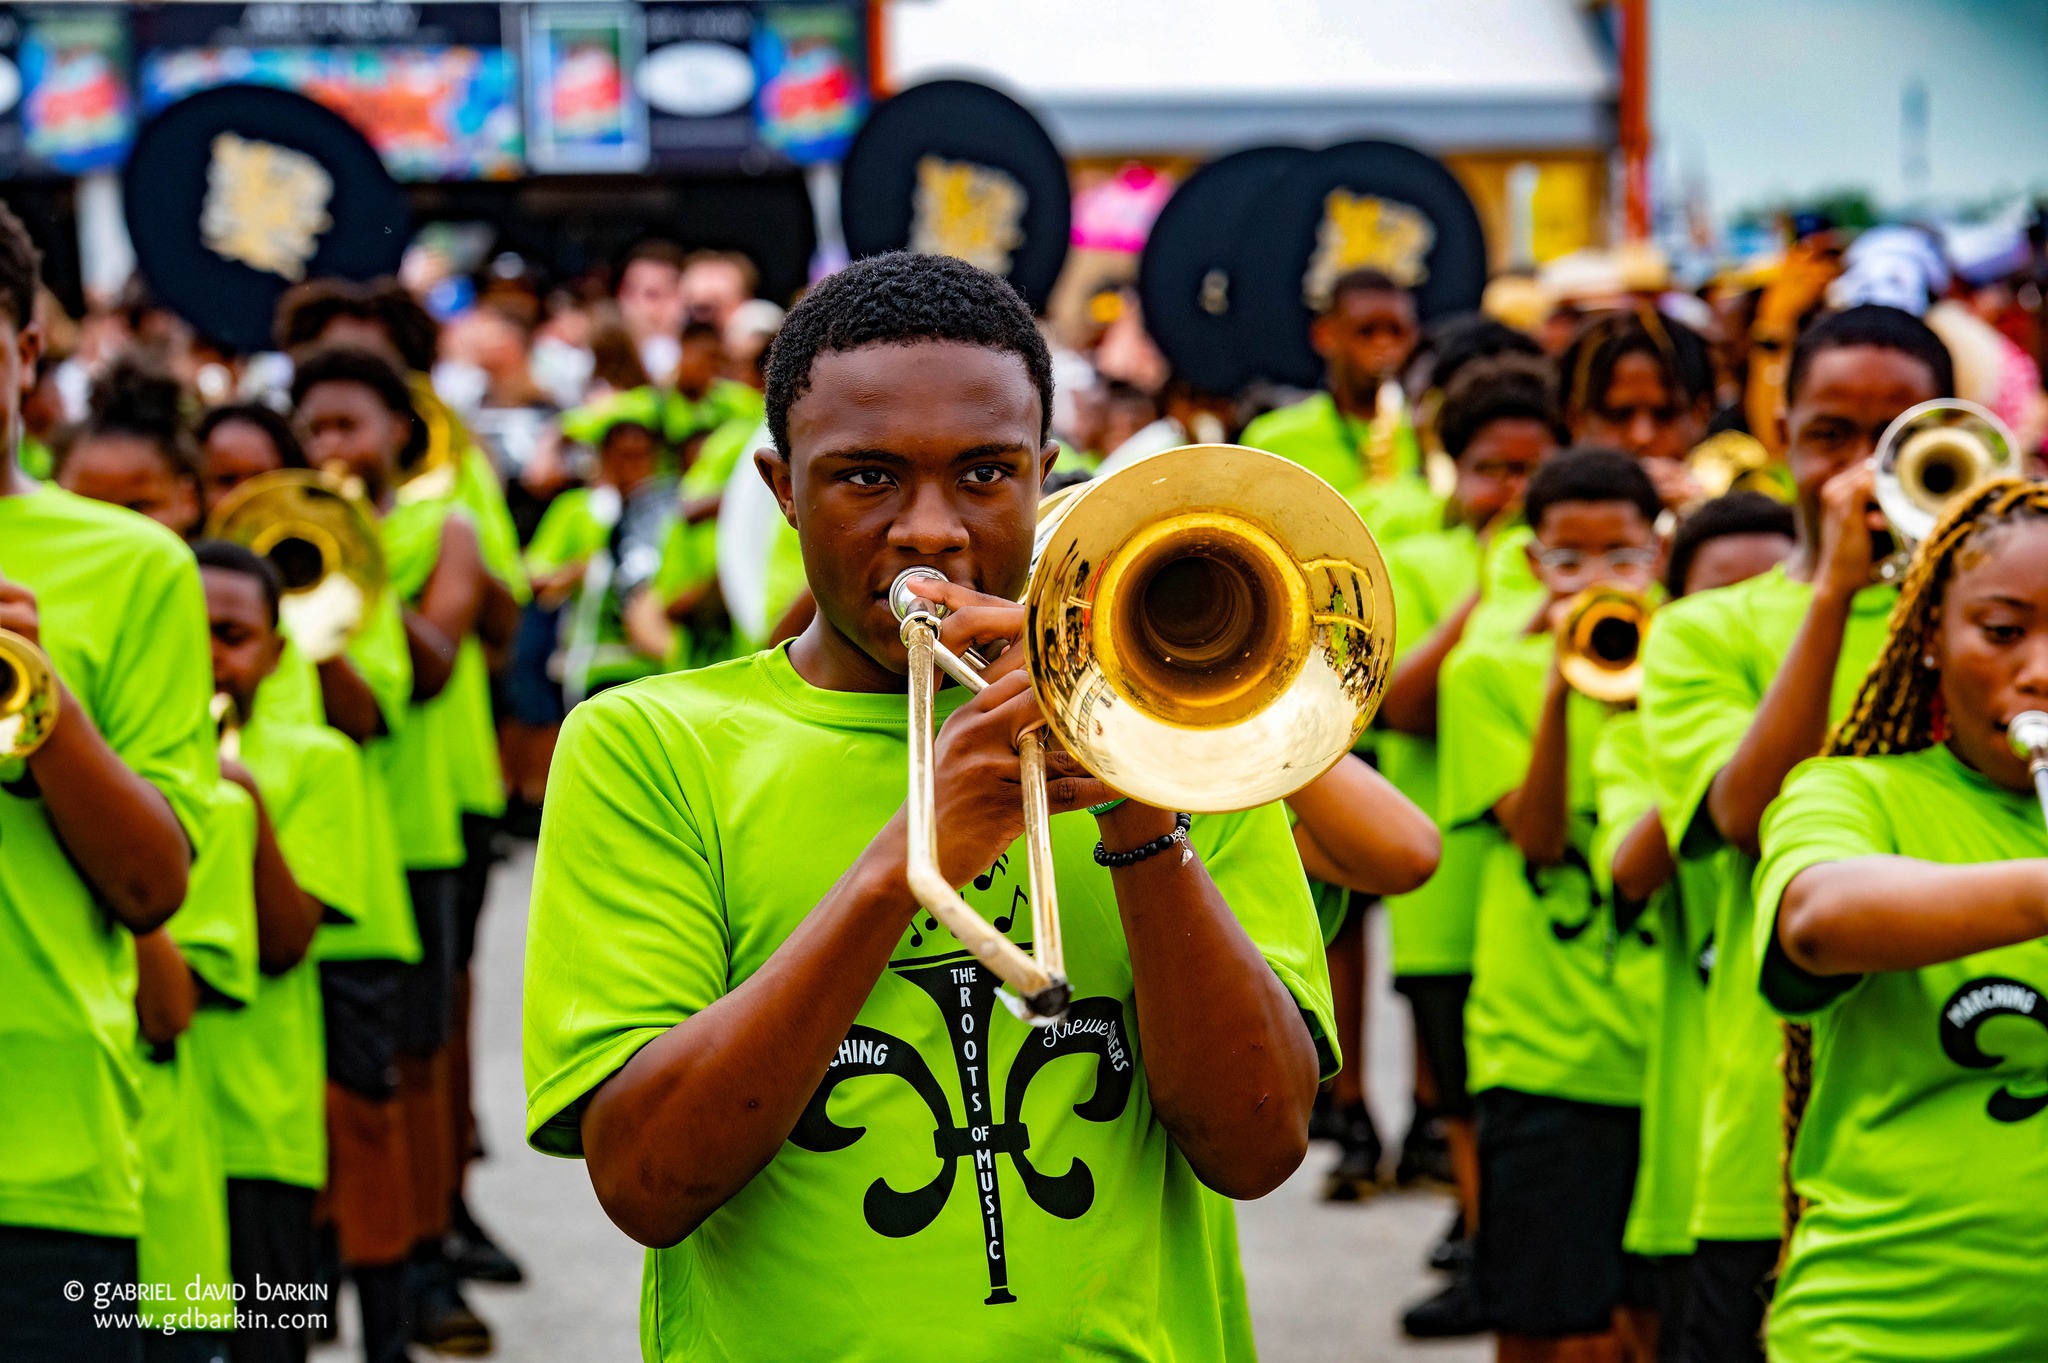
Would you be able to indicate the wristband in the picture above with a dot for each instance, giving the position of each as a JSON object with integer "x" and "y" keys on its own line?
{"x": 1118, "y": 860}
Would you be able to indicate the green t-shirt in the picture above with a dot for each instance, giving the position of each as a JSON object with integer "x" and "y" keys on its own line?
{"x": 674, "y": 862}
{"x": 123, "y": 619}
{"x": 418, "y": 763}
{"x": 1431, "y": 576}
{"x": 1706, "y": 667}
{"x": 182, "y": 1256}
{"x": 266, "y": 1064}
{"x": 482, "y": 494}
{"x": 1315, "y": 435}
{"x": 1923, "y": 1155}
{"x": 1558, "y": 996}
{"x": 1660, "y": 1213}
{"x": 569, "y": 532}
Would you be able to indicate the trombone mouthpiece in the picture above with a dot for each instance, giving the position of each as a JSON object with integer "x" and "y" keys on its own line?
{"x": 906, "y": 602}
{"x": 2028, "y": 734}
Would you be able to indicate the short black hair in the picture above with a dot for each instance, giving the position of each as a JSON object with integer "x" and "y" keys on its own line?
{"x": 1737, "y": 513}
{"x": 1506, "y": 389}
{"x": 136, "y": 400}
{"x": 264, "y": 419}
{"x": 308, "y": 309}
{"x": 1456, "y": 342}
{"x": 1363, "y": 281}
{"x": 235, "y": 558}
{"x": 1591, "y": 474}
{"x": 353, "y": 364}
{"x": 1585, "y": 370}
{"x": 1872, "y": 324}
{"x": 898, "y": 299}
{"x": 699, "y": 329}
{"x": 21, "y": 269}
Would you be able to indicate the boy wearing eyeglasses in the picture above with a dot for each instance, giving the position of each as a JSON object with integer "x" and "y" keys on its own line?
{"x": 1554, "y": 1023}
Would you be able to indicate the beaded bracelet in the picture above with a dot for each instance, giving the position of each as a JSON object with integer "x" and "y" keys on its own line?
{"x": 1119, "y": 860}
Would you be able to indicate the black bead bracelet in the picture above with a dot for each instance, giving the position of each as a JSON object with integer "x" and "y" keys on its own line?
{"x": 1118, "y": 860}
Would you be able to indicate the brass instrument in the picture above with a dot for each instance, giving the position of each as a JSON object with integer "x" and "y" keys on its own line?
{"x": 435, "y": 473}
{"x": 1390, "y": 411}
{"x": 1206, "y": 630}
{"x": 322, "y": 539}
{"x": 1600, "y": 643}
{"x": 29, "y": 698}
{"x": 1929, "y": 456}
{"x": 227, "y": 722}
{"x": 1732, "y": 461}
{"x": 2028, "y": 734}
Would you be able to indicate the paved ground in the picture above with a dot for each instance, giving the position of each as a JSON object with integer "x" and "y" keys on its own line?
{"x": 1327, "y": 1282}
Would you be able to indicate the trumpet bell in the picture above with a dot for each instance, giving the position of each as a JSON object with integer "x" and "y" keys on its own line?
{"x": 323, "y": 543}
{"x": 1732, "y": 461}
{"x": 1600, "y": 643}
{"x": 1209, "y": 629}
{"x": 1931, "y": 455}
{"x": 28, "y": 696}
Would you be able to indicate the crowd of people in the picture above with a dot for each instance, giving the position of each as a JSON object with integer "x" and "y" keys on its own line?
{"x": 1721, "y": 989}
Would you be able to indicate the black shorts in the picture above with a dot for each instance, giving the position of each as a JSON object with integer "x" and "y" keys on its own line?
{"x": 359, "y": 1003}
{"x": 1555, "y": 1179}
{"x": 39, "y": 1322}
{"x": 270, "y": 1236}
{"x": 1438, "y": 1002}
{"x": 426, "y": 992}
{"x": 473, "y": 884}
{"x": 1727, "y": 1288}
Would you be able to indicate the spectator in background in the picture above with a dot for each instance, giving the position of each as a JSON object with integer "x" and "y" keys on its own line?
{"x": 714, "y": 284}
{"x": 650, "y": 298}
{"x": 747, "y": 333}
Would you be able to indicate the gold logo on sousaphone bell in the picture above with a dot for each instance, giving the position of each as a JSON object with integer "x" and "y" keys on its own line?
{"x": 266, "y": 205}
{"x": 971, "y": 212}
{"x": 1366, "y": 232}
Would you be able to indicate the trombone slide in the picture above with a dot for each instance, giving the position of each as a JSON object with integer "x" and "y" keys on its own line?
{"x": 2028, "y": 734}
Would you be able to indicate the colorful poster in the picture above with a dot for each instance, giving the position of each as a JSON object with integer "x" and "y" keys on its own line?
{"x": 76, "y": 111}
{"x": 582, "y": 113}
{"x": 813, "y": 80}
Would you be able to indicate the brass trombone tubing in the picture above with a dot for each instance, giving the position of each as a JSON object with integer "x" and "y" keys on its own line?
{"x": 1040, "y": 984}
{"x": 2028, "y": 734}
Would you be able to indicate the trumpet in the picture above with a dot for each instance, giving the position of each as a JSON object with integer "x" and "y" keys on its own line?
{"x": 1390, "y": 411}
{"x": 2028, "y": 734}
{"x": 1930, "y": 455}
{"x": 1206, "y": 630}
{"x": 227, "y": 723}
{"x": 1732, "y": 461}
{"x": 1600, "y": 643}
{"x": 29, "y": 698}
{"x": 322, "y": 539}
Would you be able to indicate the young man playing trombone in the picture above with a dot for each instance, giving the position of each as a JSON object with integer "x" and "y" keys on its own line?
{"x": 780, "y": 1070}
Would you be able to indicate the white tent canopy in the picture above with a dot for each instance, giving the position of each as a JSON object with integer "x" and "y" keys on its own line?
{"x": 1202, "y": 76}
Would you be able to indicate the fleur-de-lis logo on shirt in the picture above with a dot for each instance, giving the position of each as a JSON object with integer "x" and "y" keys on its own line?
{"x": 965, "y": 995}
{"x": 1963, "y": 1017}
{"x": 266, "y": 205}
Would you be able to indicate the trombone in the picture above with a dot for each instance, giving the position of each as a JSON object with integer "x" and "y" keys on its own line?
{"x": 1206, "y": 630}
{"x": 1930, "y": 455}
{"x": 2028, "y": 734}
{"x": 29, "y": 697}
{"x": 322, "y": 538}
{"x": 1600, "y": 643}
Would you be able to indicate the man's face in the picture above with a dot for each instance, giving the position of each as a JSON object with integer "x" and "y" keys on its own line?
{"x": 1366, "y": 336}
{"x": 629, "y": 456}
{"x": 237, "y": 451}
{"x": 651, "y": 299}
{"x": 246, "y": 645}
{"x": 1994, "y": 646}
{"x": 1846, "y": 398}
{"x": 1726, "y": 560}
{"x": 129, "y": 471}
{"x": 1640, "y": 413}
{"x": 1593, "y": 544}
{"x": 700, "y": 361}
{"x": 711, "y": 289}
{"x": 1496, "y": 467}
{"x": 347, "y": 425}
{"x": 905, "y": 455}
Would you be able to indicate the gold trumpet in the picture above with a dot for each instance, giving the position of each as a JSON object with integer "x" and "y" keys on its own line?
{"x": 1207, "y": 630}
{"x": 1930, "y": 455}
{"x": 29, "y": 698}
{"x": 1732, "y": 461}
{"x": 322, "y": 539}
{"x": 1600, "y": 643}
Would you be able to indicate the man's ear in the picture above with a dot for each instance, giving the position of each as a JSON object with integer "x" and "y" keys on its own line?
{"x": 1319, "y": 336}
{"x": 28, "y": 346}
{"x": 1529, "y": 552}
{"x": 1047, "y": 457}
{"x": 774, "y": 471}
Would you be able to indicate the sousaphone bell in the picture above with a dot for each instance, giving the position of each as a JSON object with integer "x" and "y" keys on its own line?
{"x": 322, "y": 539}
{"x": 1207, "y": 630}
{"x": 1930, "y": 455}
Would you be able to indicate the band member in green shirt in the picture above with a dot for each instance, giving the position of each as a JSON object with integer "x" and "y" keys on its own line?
{"x": 780, "y": 1070}
{"x": 1902, "y": 913}
{"x": 133, "y": 450}
{"x": 1739, "y": 686}
{"x": 1642, "y": 383}
{"x": 98, "y": 827}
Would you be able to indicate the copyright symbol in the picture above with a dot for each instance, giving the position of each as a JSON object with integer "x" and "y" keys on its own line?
{"x": 74, "y": 1290}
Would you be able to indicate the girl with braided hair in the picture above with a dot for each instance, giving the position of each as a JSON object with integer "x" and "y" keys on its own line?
{"x": 1902, "y": 907}
{"x": 1642, "y": 383}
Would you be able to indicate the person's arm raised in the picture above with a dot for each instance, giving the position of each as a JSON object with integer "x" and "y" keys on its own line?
{"x": 1410, "y": 703}
{"x": 118, "y": 828}
{"x": 1869, "y": 914}
{"x": 448, "y": 609}
{"x": 1792, "y": 722}
{"x": 1535, "y": 813}
{"x": 286, "y": 916}
{"x": 1362, "y": 833}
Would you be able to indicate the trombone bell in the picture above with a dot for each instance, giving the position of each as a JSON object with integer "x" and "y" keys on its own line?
{"x": 29, "y": 698}
{"x": 1929, "y": 456}
{"x": 323, "y": 543}
{"x": 1600, "y": 643}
